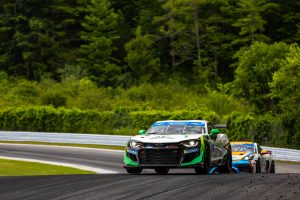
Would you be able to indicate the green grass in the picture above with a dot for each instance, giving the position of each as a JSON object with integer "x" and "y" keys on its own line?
{"x": 21, "y": 168}
{"x": 67, "y": 144}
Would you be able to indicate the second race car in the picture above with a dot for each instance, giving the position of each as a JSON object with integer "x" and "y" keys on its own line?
{"x": 251, "y": 158}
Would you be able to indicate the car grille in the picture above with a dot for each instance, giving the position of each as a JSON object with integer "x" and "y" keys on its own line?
{"x": 160, "y": 156}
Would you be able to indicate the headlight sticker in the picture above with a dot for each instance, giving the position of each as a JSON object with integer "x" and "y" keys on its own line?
{"x": 132, "y": 151}
{"x": 193, "y": 150}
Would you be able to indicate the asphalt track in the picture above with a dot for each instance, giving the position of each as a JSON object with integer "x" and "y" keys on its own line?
{"x": 148, "y": 185}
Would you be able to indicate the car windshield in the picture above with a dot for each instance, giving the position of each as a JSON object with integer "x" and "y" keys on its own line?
{"x": 242, "y": 147}
{"x": 176, "y": 128}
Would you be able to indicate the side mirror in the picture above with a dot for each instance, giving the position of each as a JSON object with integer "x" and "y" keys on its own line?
{"x": 142, "y": 132}
{"x": 214, "y": 131}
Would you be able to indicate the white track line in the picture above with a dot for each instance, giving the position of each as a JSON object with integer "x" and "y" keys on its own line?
{"x": 63, "y": 147}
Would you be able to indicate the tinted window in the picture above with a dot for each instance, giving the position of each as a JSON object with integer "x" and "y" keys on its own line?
{"x": 176, "y": 129}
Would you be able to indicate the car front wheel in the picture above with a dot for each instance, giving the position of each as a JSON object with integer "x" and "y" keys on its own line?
{"x": 226, "y": 168}
{"x": 206, "y": 163}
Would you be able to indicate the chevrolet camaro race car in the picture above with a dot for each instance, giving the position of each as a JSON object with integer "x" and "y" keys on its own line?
{"x": 250, "y": 157}
{"x": 178, "y": 144}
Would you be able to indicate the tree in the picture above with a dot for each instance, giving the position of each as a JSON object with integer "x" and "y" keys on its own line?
{"x": 142, "y": 61}
{"x": 284, "y": 21}
{"x": 100, "y": 34}
{"x": 181, "y": 24}
{"x": 28, "y": 47}
{"x": 68, "y": 16}
{"x": 254, "y": 73}
{"x": 216, "y": 20}
{"x": 251, "y": 22}
{"x": 285, "y": 89}
{"x": 200, "y": 36}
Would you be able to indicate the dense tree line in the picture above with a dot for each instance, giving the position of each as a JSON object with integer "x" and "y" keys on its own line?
{"x": 192, "y": 40}
{"x": 247, "y": 49}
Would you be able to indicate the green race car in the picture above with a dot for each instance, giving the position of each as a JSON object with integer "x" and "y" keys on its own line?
{"x": 178, "y": 144}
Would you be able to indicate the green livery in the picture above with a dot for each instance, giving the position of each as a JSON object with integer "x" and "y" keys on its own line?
{"x": 178, "y": 144}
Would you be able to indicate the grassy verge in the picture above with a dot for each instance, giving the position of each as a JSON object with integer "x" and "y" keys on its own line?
{"x": 21, "y": 168}
{"x": 67, "y": 144}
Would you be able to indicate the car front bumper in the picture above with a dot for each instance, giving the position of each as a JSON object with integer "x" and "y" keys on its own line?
{"x": 163, "y": 157}
{"x": 243, "y": 165}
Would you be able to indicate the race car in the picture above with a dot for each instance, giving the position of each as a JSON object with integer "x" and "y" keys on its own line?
{"x": 251, "y": 158}
{"x": 178, "y": 144}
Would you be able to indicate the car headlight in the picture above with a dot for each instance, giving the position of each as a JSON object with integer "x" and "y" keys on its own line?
{"x": 249, "y": 157}
{"x": 135, "y": 144}
{"x": 190, "y": 143}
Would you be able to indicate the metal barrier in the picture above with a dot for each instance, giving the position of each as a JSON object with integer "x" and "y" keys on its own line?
{"x": 284, "y": 154}
{"x": 118, "y": 140}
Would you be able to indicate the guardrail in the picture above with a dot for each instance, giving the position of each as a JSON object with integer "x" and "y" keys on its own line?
{"x": 117, "y": 140}
{"x": 284, "y": 154}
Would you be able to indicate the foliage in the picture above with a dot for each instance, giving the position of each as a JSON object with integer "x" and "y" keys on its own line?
{"x": 28, "y": 47}
{"x": 224, "y": 104}
{"x": 50, "y": 119}
{"x": 255, "y": 69}
{"x": 286, "y": 82}
{"x": 197, "y": 38}
{"x": 251, "y": 23}
{"x": 100, "y": 32}
{"x": 135, "y": 61}
{"x": 283, "y": 22}
{"x": 285, "y": 91}
{"x": 54, "y": 99}
{"x": 141, "y": 59}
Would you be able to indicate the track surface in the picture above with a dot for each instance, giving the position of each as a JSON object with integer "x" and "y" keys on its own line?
{"x": 144, "y": 186}
{"x": 122, "y": 186}
{"x": 106, "y": 159}
{"x": 97, "y": 158}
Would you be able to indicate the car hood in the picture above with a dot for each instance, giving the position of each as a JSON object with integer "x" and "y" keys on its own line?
{"x": 239, "y": 155}
{"x": 165, "y": 138}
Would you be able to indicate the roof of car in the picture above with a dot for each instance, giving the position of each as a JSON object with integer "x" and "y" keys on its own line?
{"x": 181, "y": 122}
{"x": 240, "y": 142}
{"x": 184, "y": 121}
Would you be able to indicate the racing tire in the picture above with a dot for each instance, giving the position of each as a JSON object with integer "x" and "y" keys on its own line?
{"x": 258, "y": 167}
{"x": 161, "y": 171}
{"x": 226, "y": 168}
{"x": 267, "y": 168}
{"x": 272, "y": 167}
{"x": 206, "y": 164}
{"x": 135, "y": 170}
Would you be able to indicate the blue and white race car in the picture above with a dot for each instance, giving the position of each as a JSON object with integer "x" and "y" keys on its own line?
{"x": 251, "y": 158}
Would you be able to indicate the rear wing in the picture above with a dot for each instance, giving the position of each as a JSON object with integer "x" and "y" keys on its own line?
{"x": 266, "y": 152}
{"x": 220, "y": 126}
